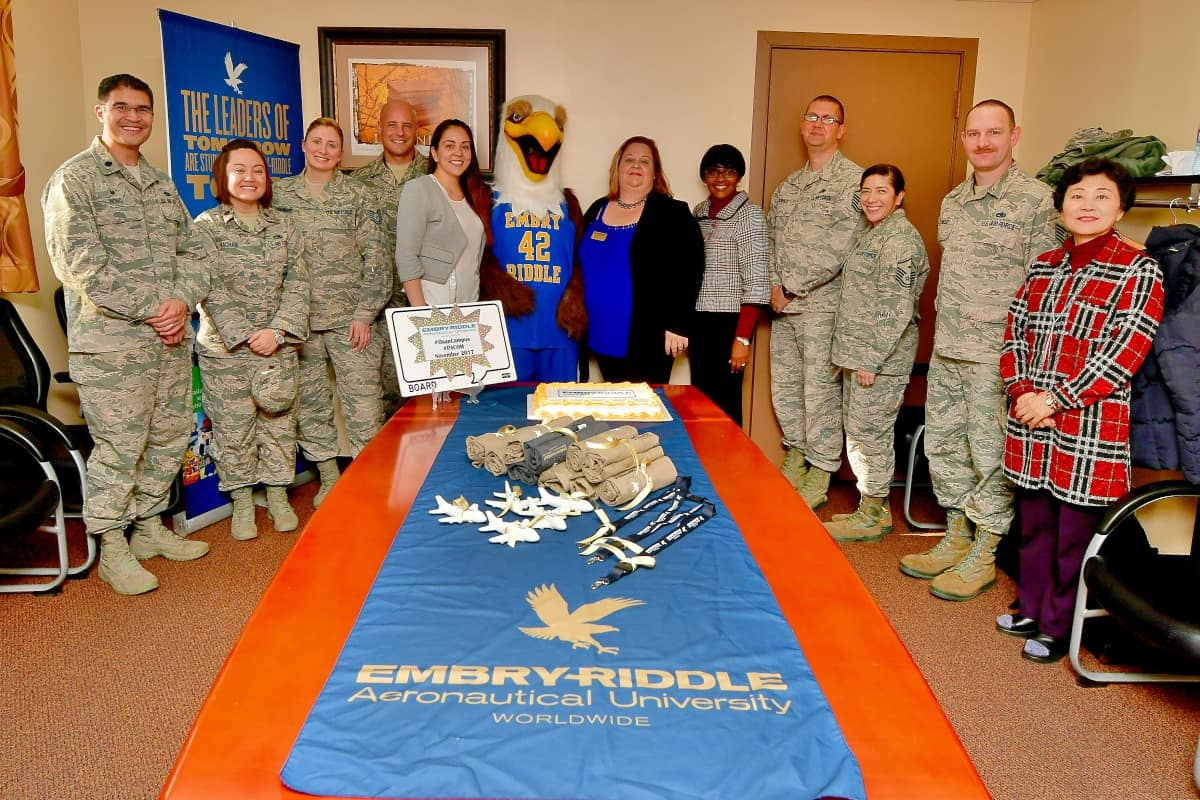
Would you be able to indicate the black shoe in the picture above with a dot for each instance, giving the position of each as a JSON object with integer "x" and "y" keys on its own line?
{"x": 1016, "y": 625}
{"x": 1056, "y": 648}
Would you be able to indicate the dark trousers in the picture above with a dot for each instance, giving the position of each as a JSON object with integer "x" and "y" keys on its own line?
{"x": 709, "y": 346}
{"x": 645, "y": 362}
{"x": 1054, "y": 536}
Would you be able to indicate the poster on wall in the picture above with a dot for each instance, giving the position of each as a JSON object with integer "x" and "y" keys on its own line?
{"x": 221, "y": 84}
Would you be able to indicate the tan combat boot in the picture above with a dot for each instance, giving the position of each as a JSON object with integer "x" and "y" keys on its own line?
{"x": 870, "y": 523}
{"x": 280, "y": 510}
{"x": 974, "y": 574}
{"x": 329, "y": 473}
{"x": 945, "y": 554}
{"x": 794, "y": 467}
{"x": 242, "y": 525}
{"x": 814, "y": 487}
{"x": 150, "y": 538}
{"x": 119, "y": 569}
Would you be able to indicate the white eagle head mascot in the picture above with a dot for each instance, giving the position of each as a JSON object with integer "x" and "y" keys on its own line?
{"x": 528, "y": 171}
{"x": 527, "y": 185}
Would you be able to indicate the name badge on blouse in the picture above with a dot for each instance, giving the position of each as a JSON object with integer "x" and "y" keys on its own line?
{"x": 599, "y": 236}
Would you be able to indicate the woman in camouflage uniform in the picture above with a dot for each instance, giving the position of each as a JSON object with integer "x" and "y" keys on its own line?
{"x": 874, "y": 345}
{"x": 351, "y": 276}
{"x": 255, "y": 315}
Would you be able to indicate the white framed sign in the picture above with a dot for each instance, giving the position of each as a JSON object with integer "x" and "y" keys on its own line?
{"x": 450, "y": 348}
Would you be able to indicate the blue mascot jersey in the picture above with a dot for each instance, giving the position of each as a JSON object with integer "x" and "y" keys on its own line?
{"x": 539, "y": 251}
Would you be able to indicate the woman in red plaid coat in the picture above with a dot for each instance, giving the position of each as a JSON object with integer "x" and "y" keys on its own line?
{"x": 1077, "y": 331}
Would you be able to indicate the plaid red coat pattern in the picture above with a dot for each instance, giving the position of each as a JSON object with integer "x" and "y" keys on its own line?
{"x": 1079, "y": 333}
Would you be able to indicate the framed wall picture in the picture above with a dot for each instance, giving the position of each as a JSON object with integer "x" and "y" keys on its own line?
{"x": 443, "y": 73}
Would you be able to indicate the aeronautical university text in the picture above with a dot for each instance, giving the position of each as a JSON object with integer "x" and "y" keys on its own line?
{"x": 541, "y": 688}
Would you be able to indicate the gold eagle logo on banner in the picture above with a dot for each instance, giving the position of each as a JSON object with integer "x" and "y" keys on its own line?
{"x": 577, "y": 627}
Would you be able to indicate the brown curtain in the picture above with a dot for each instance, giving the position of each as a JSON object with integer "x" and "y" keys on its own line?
{"x": 18, "y": 273}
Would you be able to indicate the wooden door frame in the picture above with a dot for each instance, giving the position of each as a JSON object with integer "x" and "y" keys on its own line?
{"x": 768, "y": 41}
{"x": 967, "y": 51}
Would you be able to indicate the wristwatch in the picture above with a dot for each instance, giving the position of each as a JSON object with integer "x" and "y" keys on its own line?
{"x": 1051, "y": 403}
{"x": 742, "y": 340}
{"x": 279, "y": 337}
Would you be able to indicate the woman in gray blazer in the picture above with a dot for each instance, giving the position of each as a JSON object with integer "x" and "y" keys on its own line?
{"x": 442, "y": 223}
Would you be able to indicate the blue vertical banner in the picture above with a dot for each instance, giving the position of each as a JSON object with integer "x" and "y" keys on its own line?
{"x": 221, "y": 84}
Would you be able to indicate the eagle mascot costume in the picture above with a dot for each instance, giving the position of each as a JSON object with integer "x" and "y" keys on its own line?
{"x": 536, "y": 225}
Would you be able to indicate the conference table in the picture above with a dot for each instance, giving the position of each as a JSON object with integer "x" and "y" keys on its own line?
{"x": 245, "y": 729}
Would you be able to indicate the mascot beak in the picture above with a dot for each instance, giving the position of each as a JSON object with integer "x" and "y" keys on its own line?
{"x": 536, "y": 140}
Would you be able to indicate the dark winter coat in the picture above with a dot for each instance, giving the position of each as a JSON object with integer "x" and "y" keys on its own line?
{"x": 1165, "y": 406}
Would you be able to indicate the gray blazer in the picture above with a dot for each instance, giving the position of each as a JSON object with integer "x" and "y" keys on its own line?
{"x": 429, "y": 239}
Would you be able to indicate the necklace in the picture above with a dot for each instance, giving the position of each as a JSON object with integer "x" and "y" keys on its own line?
{"x": 630, "y": 206}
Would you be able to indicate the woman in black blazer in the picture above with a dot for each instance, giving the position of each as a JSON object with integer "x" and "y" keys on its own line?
{"x": 643, "y": 260}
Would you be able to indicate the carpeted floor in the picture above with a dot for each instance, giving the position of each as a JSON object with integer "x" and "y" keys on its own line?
{"x": 99, "y": 690}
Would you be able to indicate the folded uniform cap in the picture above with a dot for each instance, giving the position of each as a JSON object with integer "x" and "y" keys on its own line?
{"x": 273, "y": 382}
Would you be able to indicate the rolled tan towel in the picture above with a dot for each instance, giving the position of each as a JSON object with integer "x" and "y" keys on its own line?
{"x": 577, "y": 452}
{"x": 479, "y": 446}
{"x": 620, "y": 490}
{"x": 558, "y": 477}
{"x": 598, "y": 462}
{"x": 598, "y": 474}
{"x": 508, "y": 443}
{"x": 583, "y": 486}
{"x": 596, "y": 459}
{"x": 493, "y": 462}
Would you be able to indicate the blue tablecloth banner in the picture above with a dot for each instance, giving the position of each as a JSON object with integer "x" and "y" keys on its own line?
{"x": 699, "y": 690}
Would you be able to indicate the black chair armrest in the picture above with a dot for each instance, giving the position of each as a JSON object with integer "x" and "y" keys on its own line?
{"x": 41, "y": 422}
{"x": 23, "y": 437}
{"x": 1136, "y": 499}
{"x": 63, "y": 377}
{"x": 20, "y": 514}
{"x": 1155, "y": 600}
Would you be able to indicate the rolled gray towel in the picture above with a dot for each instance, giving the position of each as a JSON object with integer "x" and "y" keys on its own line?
{"x": 523, "y": 474}
{"x": 515, "y": 450}
{"x": 551, "y": 448}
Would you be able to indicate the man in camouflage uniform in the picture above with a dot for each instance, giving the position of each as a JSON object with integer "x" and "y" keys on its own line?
{"x": 385, "y": 177}
{"x": 991, "y": 227}
{"x": 351, "y": 280}
{"x": 812, "y": 223}
{"x": 120, "y": 240}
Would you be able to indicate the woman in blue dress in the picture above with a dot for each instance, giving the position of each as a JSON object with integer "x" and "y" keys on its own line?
{"x": 643, "y": 260}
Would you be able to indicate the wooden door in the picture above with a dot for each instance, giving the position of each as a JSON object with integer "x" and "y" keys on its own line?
{"x": 904, "y": 97}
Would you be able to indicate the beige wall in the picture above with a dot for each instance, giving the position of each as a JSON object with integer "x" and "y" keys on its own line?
{"x": 681, "y": 71}
{"x": 1112, "y": 64}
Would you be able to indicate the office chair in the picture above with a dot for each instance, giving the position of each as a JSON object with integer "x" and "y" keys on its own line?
{"x": 24, "y": 387}
{"x": 30, "y": 501}
{"x": 1146, "y": 588}
{"x": 910, "y": 435}
{"x": 1149, "y": 588}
